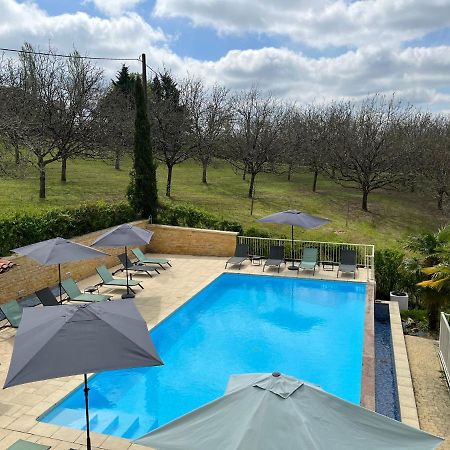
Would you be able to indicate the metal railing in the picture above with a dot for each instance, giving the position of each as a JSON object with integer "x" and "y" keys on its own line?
{"x": 328, "y": 251}
{"x": 444, "y": 344}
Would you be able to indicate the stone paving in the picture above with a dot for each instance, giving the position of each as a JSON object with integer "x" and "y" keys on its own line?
{"x": 21, "y": 405}
{"x": 430, "y": 388}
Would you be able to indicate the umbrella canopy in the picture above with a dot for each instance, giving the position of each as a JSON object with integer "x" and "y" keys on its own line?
{"x": 79, "y": 339}
{"x": 267, "y": 411}
{"x": 123, "y": 236}
{"x": 58, "y": 251}
{"x": 294, "y": 218}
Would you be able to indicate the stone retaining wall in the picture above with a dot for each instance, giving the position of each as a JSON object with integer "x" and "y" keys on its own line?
{"x": 28, "y": 276}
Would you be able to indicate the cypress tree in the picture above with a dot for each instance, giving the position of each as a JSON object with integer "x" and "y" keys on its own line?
{"x": 142, "y": 191}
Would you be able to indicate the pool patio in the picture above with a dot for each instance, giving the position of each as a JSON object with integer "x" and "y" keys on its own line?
{"x": 20, "y": 406}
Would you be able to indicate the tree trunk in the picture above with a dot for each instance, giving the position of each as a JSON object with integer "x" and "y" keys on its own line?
{"x": 316, "y": 173}
{"x": 17, "y": 154}
{"x": 63, "y": 169}
{"x": 364, "y": 200}
{"x": 289, "y": 172}
{"x": 41, "y": 166}
{"x": 169, "y": 180}
{"x": 117, "y": 160}
{"x": 251, "y": 188}
{"x": 244, "y": 173}
{"x": 204, "y": 174}
{"x": 440, "y": 202}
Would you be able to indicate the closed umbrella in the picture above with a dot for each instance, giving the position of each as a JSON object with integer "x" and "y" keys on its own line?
{"x": 274, "y": 411}
{"x": 123, "y": 236}
{"x": 80, "y": 339}
{"x": 295, "y": 218}
{"x": 58, "y": 251}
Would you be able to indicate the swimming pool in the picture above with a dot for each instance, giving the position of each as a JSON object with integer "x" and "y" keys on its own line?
{"x": 310, "y": 329}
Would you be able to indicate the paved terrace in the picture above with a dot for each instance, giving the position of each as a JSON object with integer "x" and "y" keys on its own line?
{"x": 21, "y": 405}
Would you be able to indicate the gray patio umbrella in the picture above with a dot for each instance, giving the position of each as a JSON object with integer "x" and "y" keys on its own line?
{"x": 123, "y": 236}
{"x": 293, "y": 218}
{"x": 273, "y": 411}
{"x": 80, "y": 339}
{"x": 58, "y": 251}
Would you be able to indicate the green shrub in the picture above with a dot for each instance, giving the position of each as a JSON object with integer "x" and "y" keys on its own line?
{"x": 387, "y": 272}
{"x": 189, "y": 216}
{"x": 23, "y": 229}
{"x": 256, "y": 232}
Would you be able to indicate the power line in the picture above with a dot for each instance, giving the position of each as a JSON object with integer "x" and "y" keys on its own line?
{"x": 104, "y": 58}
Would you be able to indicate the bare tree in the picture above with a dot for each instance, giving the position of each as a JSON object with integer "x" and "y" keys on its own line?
{"x": 47, "y": 101}
{"x": 367, "y": 144}
{"x": 210, "y": 114}
{"x": 255, "y": 144}
{"x": 435, "y": 158}
{"x": 171, "y": 123}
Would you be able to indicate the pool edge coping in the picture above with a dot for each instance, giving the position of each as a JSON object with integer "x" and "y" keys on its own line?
{"x": 367, "y": 396}
{"x": 405, "y": 390}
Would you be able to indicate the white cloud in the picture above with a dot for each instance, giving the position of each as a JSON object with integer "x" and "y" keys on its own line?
{"x": 115, "y": 7}
{"x": 318, "y": 24}
{"x": 419, "y": 75}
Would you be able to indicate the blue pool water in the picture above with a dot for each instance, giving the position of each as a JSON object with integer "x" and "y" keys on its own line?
{"x": 310, "y": 329}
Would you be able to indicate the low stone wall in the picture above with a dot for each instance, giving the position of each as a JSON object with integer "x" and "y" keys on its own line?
{"x": 28, "y": 276}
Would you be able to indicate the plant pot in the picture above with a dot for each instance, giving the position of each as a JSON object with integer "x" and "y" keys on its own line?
{"x": 401, "y": 298}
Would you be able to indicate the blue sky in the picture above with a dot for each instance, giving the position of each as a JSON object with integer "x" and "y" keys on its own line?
{"x": 307, "y": 51}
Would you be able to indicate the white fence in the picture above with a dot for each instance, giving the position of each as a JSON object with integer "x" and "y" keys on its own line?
{"x": 444, "y": 344}
{"x": 328, "y": 251}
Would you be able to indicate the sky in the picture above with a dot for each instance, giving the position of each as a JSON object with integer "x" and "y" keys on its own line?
{"x": 304, "y": 51}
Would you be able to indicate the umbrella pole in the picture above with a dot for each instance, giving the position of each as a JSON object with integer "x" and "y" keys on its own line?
{"x": 128, "y": 293}
{"x": 60, "y": 286}
{"x": 86, "y": 402}
{"x": 292, "y": 266}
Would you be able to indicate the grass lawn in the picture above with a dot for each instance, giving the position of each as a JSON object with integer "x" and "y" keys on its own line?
{"x": 393, "y": 215}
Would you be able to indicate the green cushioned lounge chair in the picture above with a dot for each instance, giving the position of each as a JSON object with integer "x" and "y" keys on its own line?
{"x": 109, "y": 280}
{"x": 309, "y": 260}
{"x": 142, "y": 259}
{"x": 13, "y": 312}
{"x": 73, "y": 291}
{"x": 25, "y": 445}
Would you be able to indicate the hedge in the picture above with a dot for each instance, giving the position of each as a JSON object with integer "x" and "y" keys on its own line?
{"x": 22, "y": 229}
{"x": 189, "y": 216}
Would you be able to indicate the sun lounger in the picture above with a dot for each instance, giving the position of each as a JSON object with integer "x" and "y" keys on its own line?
{"x": 47, "y": 298}
{"x": 25, "y": 445}
{"x": 240, "y": 255}
{"x": 139, "y": 268}
{"x": 142, "y": 259}
{"x": 109, "y": 280}
{"x": 73, "y": 291}
{"x": 13, "y": 312}
{"x": 348, "y": 262}
{"x": 309, "y": 259}
{"x": 276, "y": 257}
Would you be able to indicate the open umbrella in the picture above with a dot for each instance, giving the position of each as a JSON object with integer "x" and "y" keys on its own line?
{"x": 274, "y": 411}
{"x": 58, "y": 251}
{"x": 80, "y": 339}
{"x": 293, "y": 218}
{"x": 123, "y": 236}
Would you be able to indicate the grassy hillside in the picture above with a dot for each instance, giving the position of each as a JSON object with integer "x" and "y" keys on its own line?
{"x": 393, "y": 215}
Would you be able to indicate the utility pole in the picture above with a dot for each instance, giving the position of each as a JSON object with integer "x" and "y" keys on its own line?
{"x": 144, "y": 76}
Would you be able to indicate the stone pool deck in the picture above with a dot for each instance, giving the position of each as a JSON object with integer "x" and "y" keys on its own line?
{"x": 21, "y": 405}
